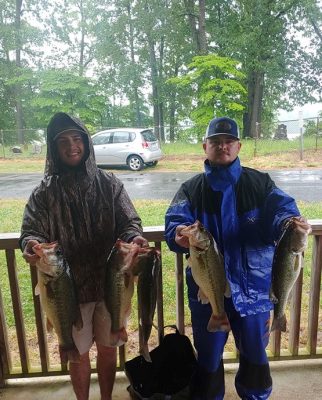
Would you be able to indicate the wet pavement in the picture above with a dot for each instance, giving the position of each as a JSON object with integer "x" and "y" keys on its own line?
{"x": 303, "y": 185}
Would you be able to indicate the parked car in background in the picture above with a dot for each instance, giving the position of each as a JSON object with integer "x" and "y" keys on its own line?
{"x": 133, "y": 147}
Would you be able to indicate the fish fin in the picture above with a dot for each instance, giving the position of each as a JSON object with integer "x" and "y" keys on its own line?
{"x": 114, "y": 339}
{"x": 227, "y": 292}
{"x": 37, "y": 290}
{"x": 70, "y": 354}
{"x": 127, "y": 279}
{"x": 279, "y": 324}
{"x": 63, "y": 356}
{"x": 144, "y": 351}
{"x": 298, "y": 263}
{"x": 49, "y": 325}
{"x": 73, "y": 356}
{"x": 272, "y": 297}
{"x": 202, "y": 297}
{"x": 117, "y": 338}
{"x": 123, "y": 335}
{"x": 218, "y": 323}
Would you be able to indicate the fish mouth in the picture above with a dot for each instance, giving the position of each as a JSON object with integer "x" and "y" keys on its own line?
{"x": 52, "y": 276}
{"x": 200, "y": 249}
{"x": 48, "y": 275}
{"x": 298, "y": 250}
{"x": 203, "y": 245}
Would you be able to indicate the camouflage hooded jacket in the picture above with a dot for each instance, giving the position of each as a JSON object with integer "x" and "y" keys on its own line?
{"x": 85, "y": 209}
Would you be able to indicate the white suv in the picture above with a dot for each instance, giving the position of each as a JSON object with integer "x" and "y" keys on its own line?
{"x": 127, "y": 146}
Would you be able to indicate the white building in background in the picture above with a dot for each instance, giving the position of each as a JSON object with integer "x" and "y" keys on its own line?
{"x": 309, "y": 111}
{"x": 291, "y": 118}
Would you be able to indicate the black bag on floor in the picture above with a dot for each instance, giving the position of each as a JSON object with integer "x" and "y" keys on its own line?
{"x": 168, "y": 376}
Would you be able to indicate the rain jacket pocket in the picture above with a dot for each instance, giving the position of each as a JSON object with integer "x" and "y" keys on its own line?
{"x": 259, "y": 268}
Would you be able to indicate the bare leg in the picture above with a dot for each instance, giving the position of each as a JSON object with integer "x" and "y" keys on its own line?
{"x": 80, "y": 374}
{"x": 106, "y": 369}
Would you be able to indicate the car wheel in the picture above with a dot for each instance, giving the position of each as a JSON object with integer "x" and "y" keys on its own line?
{"x": 135, "y": 163}
{"x": 152, "y": 163}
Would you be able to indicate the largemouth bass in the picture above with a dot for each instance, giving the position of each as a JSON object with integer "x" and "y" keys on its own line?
{"x": 208, "y": 271}
{"x": 147, "y": 268}
{"x": 286, "y": 267}
{"x": 58, "y": 296}
{"x": 119, "y": 288}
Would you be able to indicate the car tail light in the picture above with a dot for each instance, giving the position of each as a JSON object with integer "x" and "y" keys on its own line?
{"x": 145, "y": 144}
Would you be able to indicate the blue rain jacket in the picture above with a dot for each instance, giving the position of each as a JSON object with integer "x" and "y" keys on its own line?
{"x": 244, "y": 211}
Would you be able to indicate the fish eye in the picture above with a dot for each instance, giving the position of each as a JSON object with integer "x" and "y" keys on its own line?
{"x": 59, "y": 252}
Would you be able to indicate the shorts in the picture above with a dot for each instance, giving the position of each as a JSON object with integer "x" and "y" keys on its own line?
{"x": 96, "y": 327}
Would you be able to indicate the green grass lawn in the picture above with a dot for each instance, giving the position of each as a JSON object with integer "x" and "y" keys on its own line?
{"x": 185, "y": 156}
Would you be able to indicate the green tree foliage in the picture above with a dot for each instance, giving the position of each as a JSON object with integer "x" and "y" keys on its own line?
{"x": 265, "y": 37}
{"x": 219, "y": 85}
{"x": 19, "y": 51}
{"x": 110, "y": 62}
{"x": 61, "y": 90}
{"x": 313, "y": 127}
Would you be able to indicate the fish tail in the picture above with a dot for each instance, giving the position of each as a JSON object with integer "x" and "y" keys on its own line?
{"x": 219, "y": 323}
{"x": 118, "y": 337}
{"x": 63, "y": 356}
{"x": 146, "y": 329}
{"x": 78, "y": 323}
{"x": 144, "y": 351}
{"x": 279, "y": 324}
{"x": 123, "y": 335}
{"x": 69, "y": 354}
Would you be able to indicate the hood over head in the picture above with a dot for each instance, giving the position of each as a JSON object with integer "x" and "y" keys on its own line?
{"x": 60, "y": 123}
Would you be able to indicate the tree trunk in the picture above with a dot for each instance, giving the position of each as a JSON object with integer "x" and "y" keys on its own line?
{"x": 161, "y": 119}
{"x": 82, "y": 43}
{"x": 155, "y": 91}
{"x": 160, "y": 94}
{"x": 17, "y": 88}
{"x": 172, "y": 109}
{"x": 255, "y": 99}
{"x": 190, "y": 10}
{"x": 172, "y": 113}
{"x": 203, "y": 47}
{"x": 138, "y": 118}
{"x": 199, "y": 37}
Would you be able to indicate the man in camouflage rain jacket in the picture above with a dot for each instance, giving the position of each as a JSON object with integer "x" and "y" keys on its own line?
{"x": 85, "y": 209}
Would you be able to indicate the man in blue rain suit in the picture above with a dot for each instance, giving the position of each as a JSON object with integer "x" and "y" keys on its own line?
{"x": 245, "y": 212}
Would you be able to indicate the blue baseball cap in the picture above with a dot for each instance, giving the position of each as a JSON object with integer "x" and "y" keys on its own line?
{"x": 222, "y": 126}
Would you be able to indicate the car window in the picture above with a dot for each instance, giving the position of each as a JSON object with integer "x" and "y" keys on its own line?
{"x": 103, "y": 138}
{"x": 149, "y": 136}
{"x": 121, "y": 137}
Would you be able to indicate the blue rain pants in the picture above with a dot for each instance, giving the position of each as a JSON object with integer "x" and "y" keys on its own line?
{"x": 251, "y": 334}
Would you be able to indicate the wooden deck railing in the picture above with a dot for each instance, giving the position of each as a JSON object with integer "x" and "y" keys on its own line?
{"x": 297, "y": 347}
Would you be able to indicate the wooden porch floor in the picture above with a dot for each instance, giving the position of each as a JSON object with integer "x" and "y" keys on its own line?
{"x": 292, "y": 380}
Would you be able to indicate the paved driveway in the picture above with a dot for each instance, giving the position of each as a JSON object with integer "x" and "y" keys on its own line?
{"x": 303, "y": 185}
